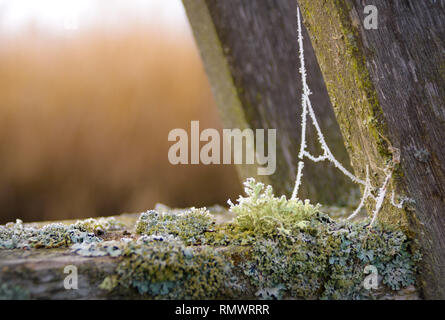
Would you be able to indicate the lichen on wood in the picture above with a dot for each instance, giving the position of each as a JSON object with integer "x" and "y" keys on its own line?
{"x": 386, "y": 86}
{"x": 340, "y": 54}
{"x": 273, "y": 248}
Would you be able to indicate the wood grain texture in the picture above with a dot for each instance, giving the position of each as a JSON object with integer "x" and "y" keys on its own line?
{"x": 257, "y": 41}
{"x": 387, "y": 87}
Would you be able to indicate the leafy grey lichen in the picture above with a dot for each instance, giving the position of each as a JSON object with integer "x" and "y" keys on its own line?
{"x": 189, "y": 225}
{"x": 163, "y": 268}
{"x": 266, "y": 215}
{"x": 98, "y": 249}
{"x": 275, "y": 248}
{"x": 291, "y": 249}
{"x": 299, "y": 248}
{"x": 271, "y": 293}
{"x": 54, "y": 235}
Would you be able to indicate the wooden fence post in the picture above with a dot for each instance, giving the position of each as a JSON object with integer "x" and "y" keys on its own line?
{"x": 249, "y": 50}
{"x": 387, "y": 89}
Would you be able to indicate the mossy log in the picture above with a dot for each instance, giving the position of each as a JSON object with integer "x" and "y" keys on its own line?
{"x": 249, "y": 51}
{"x": 387, "y": 89}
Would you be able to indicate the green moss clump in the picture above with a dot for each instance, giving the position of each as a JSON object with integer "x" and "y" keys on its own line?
{"x": 8, "y": 292}
{"x": 189, "y": 225}
{"x": 162, "y": 268}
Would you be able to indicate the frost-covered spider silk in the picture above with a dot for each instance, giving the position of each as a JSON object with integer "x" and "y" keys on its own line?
{"x": 327, "y": 155}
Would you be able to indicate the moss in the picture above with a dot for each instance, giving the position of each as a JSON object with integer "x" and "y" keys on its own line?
{"x": 229, "y": 234}
{"x": 274, "y": 248}
{"x": 292, "y": 249}
{"x": 343, "y": 61}
{"x": 360, "y": 74}
{"x": 168, "y": 269}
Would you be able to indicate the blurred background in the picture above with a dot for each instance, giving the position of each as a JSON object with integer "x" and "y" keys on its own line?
{"x": 89, "y": 90}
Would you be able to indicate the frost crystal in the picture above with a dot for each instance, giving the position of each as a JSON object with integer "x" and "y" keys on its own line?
{"x": 327, "y": 154}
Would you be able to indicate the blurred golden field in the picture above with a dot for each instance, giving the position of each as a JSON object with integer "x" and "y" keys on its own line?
{"x": 84, "y": 121}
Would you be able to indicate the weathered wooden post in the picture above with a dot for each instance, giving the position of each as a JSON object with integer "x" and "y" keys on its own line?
{"x": 387, "y": 86}
{"x": 249, "y": 50}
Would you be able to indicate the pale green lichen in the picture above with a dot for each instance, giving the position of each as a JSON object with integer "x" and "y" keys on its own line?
{"x": 266, "y": 215}
{"x": 274, "y": 249}
{"x": 54, "y": 235}
{"x": 99, "y": 226}
{"x": 165, "y": 268}
{"x": 310, "y": 255}
{"x": 189, "y": 225}
{"x": 98, "y": 249}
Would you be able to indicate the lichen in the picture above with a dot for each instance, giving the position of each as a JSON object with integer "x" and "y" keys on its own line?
{"x": 345, "y": 63}
{"x": 274, "y": 248}
{"x": 98, "y": 249}
{"x": 189, "y": 225}
{"x": 54, "y": 235}
{"x": 165, "y": 268}
{"x": 266, "y": 215}
{"x": 8, "y": 292}
{"x": 99, "y": 226}
{"x": 310, "y": 255}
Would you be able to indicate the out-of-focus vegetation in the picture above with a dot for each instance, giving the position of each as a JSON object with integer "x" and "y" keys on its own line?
{"x": 84, "y": 120}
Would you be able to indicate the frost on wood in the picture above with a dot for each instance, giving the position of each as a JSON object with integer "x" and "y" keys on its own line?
{"x": 327, "y": 154}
